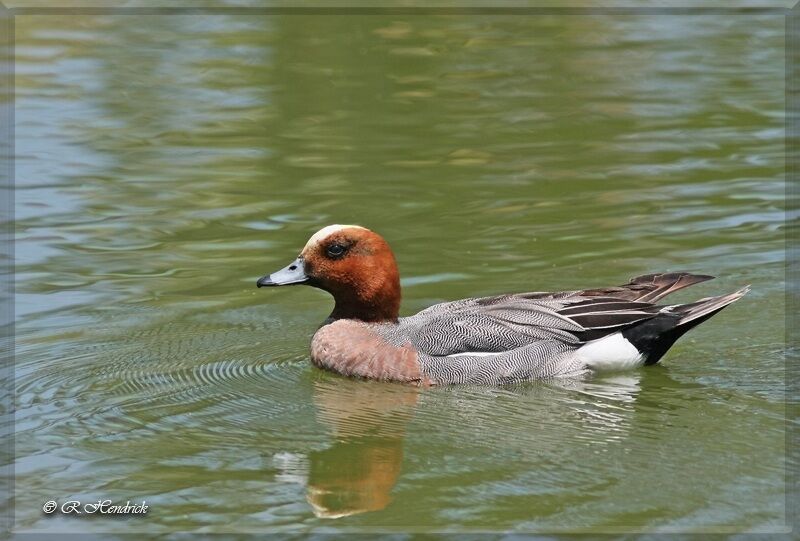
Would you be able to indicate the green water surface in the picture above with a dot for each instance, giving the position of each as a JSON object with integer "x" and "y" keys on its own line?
{"x": 164, "y": 163}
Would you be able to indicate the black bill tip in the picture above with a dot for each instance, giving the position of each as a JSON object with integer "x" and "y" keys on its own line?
{"x": 265, "y": 281}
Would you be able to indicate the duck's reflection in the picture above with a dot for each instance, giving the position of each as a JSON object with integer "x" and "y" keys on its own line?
{"x": 368, "y": 422}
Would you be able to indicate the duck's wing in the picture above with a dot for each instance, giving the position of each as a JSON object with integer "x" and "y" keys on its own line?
{"x": 507, "y": 322}
{"x": 650, "y": 287}
{"x": 498, "y": 324}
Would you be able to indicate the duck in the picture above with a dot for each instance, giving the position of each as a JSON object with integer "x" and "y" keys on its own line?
{"x": 495, "y": 340}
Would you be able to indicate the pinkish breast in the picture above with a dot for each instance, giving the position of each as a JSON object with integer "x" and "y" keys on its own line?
{"x": 351, "y": 348}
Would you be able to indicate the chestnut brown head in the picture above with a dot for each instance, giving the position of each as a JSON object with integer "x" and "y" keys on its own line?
{"x": 353, "y": 264}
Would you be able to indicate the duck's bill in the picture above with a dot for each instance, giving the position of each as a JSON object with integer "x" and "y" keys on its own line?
{"x": 294, "y": 273}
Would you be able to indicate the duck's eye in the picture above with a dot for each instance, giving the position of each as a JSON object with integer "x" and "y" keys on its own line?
{"x": 335, "y": 250}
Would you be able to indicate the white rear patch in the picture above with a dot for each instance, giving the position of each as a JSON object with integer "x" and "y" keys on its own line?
{"x": 611, "y": 352}
{"x": 326, "y": 231}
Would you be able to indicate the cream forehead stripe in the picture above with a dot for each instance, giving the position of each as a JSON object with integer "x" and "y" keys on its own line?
{"x": 326, "y": 231}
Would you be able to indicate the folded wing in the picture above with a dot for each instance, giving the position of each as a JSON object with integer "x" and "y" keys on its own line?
{"x": 504, "y": 323}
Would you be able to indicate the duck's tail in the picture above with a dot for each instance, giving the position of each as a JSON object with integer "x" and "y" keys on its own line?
{"x": 655, "y": 336}
{"x": 694, "y": 313}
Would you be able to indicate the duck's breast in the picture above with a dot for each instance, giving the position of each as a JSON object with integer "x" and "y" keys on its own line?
{"x": 353, "y": 348}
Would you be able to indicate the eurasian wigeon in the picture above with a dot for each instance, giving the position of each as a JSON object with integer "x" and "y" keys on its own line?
{"x": 489, "y": 340}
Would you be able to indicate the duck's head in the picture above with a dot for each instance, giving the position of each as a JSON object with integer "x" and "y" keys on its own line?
{"x": 353, "y": 264}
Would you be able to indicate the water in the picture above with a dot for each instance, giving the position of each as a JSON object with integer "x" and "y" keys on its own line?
{"x": 166, "y": 162}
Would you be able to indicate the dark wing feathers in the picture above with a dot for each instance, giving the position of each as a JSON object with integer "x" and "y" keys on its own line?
{"x": 506, "y": 322}
{"x": 609, "y": 320}
{"x": 601, "y": 304}
{"x": 602, "y": 312}
{"x": 653, "y": 287}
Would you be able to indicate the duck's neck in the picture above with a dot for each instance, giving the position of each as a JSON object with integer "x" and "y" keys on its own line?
{"x": 374, "y": 301}
{"x": 362, "y": 313}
